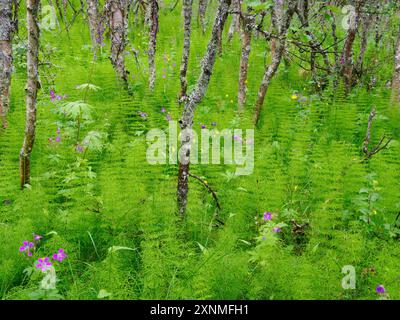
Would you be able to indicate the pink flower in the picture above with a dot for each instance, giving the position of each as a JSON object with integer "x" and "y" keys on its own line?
{"x": 60, "y": 255}
{"x": 43, "y": 263}
{"x": 267, "y": 216}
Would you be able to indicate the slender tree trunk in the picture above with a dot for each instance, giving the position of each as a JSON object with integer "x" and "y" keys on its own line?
{"x": 195, "y": 97}
{"x": 187, "y": 16}
{"x": 6, "y": 30}
{"x": 247, "y": 20}
{"x": 153, "y": 24}
{"x": 347, "y": 54}
{"x": 94, "y": 20}
{"x": 118, "y": 18}
{"x": 366, "y": 22}
{"x": 235, "y": 24}
{"x": 396, "y": 74}
{"x": 32, "y": 88}
{"x": 276, "y": 59}
{"x": 202, "y": 14}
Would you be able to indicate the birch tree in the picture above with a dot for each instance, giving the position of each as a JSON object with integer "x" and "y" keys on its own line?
{"x": 32, "y": 88}
{"x": 195, "y": 97}
{"x": 118, "y": 24}
{"x": 187, "y": 18}
{"x": 6, "y": 30}
{"x": 347, "y": 54}
{"x": 283, "y": 22}
{"x": 202, "y": 14}
{"x": 153, "y": 25}
{"x": 247, "y": 22}
{"x": 94, "y": 20}
{"x": 396, "y": 74}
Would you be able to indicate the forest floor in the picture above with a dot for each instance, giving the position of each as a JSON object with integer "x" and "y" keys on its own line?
{"x": 114, "y": 214}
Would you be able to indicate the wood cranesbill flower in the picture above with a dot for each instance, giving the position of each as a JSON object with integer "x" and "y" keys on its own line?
{"x": 26, "y": 248}
{"x": 380, "y": 289}
{"x": 267, "y": 216}
{"x": 277, "y": 230}
{"x": 43, "y": 263}
{"x": 60, "y": 255}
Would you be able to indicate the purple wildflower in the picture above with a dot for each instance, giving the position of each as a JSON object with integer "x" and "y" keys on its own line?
{"x": 79, "y": 148}
{"x": 26, "y": 247}
{"x": 58, "y": 130}
{"x": 342, "y": 60}
{"x": 58, "y": 139}
{"x": 60, "y": 255}
{"x": 50, "y": 139}
{"x": 164, "y": 76}
{"x": 380, "y": 289}
{"x": 43, "y": 263}
{"x": 267, "y": 216}
{"x": 37, "y": 237}
{"x": 264, "y": 238}
{"x": 213, "y": 123}
{"x": 52, "y": 95}
{"x": 203, "y": 126}
{"x": 163, "y": 110}
{"x": 277, "y": 230}
{"x": 144, "y": 115}
{"x": 237, "y": 138}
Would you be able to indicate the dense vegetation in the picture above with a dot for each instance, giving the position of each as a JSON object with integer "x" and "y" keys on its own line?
{"x": 314, "y": 203}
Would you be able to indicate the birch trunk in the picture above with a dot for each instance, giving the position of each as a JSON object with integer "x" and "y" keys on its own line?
{"x": 153, "y": 24}
{"x": 247, "y": 21}
{"x": 347, "y": 55}
{"x": 118, "y": 18}
{"x": 32, "y": 88}
{"x": 235, "y": 24}
{"x": 93, "y": 15}
{"x": 187, "y": 16}
{"x": 276, "y": 59}
{"x": 396, "y": 74}
{"x": 202, "y": 14}
{"x": 195, "y": 97}
{"x": 6, "y": 30}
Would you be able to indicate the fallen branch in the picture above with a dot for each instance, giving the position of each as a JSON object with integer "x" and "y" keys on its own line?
{"x": 380, "y": 146}
{"x": 213, "y": 194}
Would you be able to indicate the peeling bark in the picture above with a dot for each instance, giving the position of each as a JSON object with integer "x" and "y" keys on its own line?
{"x": 6, "y": 30}
{"x": 247, "y": 22}
{"x": 118, "y": 24}
{"x": 276, "y": 59}
{"x": 93, "y": 17}
{"x": 187, "y": 16}
{"x": 195, "y": 97}
{"x": 153, "y": 24}
{"x": 32, "y": 88}
{"x": 202, "y": 14}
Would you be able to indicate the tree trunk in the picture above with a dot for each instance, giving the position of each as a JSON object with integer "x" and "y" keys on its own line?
{"x": 6, "y": 30}
{"x": 347, "y": 54}
{"x": 396, "y": 74}
{"x": 118, "y": 18}
{"x": 93, "y": 15}
{"x": 235, "y": 24}
{"x": 202, "y": 14}
{"x": 247, "y": 20}
{"x": 187, "y": 15}
{"x": 276, "y": 59}
{"x": 153, "y": 24}
{"x": 32, "y": 88}
{"x": 195, "y": 97}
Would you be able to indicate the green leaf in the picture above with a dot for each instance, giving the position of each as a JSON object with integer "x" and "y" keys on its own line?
{"x": 118, "y": 248}
{"x": 88, "y": 86}
{"x": 76, "y": 109}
